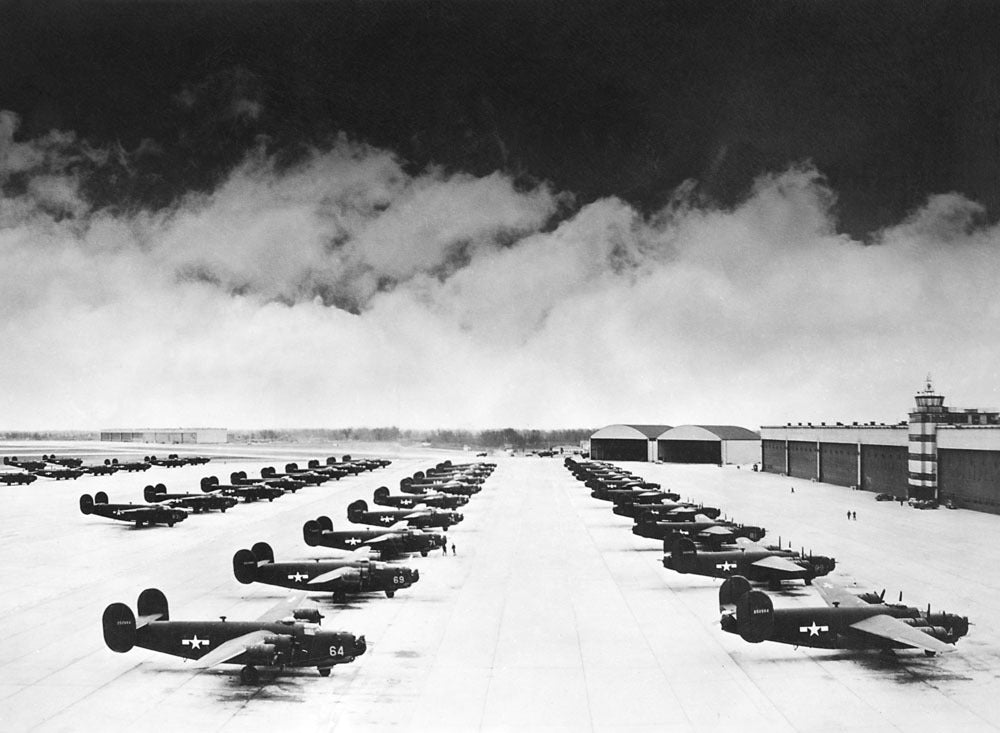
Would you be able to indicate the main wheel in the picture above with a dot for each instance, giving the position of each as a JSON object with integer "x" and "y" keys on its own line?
{"x": 249, "y": 675}
{"x": 390, "y": 593}
{"x": 929, "y": 653}
{"x": 324, "y": 671}
{"x": 423, "y": 553}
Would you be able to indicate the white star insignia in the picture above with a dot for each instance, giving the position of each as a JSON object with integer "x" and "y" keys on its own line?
{"x": 725, "y": 566}
{"x": 385, "y": 519}
{"x": 814, "y": 629}
{"x": 353, "y": 541}
{"x": 194, "y": 642}
{"x": 298, "y": 577}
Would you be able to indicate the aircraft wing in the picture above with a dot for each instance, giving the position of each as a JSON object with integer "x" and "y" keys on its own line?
{"x": 333, "y": 575}
{"x": 232, "y": 648}
{"x": 716, "y": 529}
{"x": 398, "y": 526}
{"x": 282, "y": 609}
{"x": 133, "y": 514}
{"x": 893, "y": 629}
{"x": 834, "y": 595}
{"x": 417, "y": 514}
{"x": 382, "y": 537}
{"x": 779, "y": 565}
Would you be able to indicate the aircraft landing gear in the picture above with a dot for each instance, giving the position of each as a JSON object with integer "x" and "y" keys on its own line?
{"x": 929, "y": 653}
{"x": 249, "y": 675}
{"x": 340, "y": 597}
{"x": 390, "y": 593}
{"x": 324, "y": 671}
{"x": 423, "y": 553}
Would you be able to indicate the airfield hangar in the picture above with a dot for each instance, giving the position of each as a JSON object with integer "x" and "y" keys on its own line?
{"x": 716, "y": 444}
{"x": 941, "y": 453}
{"x": 169, "y": 436}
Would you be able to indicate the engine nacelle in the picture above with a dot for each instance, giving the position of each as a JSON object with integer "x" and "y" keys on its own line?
{"x": 312, "y": 615}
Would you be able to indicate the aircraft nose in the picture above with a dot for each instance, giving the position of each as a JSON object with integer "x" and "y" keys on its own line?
{"x": 360, "y": 646}
{"x": 668, "y": 562}
{"x": 416, "y": 575}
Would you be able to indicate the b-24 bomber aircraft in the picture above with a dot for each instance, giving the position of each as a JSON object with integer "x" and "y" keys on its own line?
{"x": 712, "y": 532}
{"x": 195, "y": 502}
{"x": 418, "y": 517}
{"x": 60, "y": 474}
{"x": 239, "y": 478}
{"x": 353, "y": 574}
{"x": 25, "y": 465}
{"x": 171, "y": 461}
{"x": 67, "y": 462}
{"x": 756, "y": 563}
{"x": 131, "y": 466}
{"x": 139, "y": 513}
{"x": 846, "y": 622}
{"x": 382, "y": 497}
{"x": 16, "y": 477}
{"x": 285, "y": 636}
{"x": 455, "y": 488}
{"x": 391, "y": 542}
{"x": 247, "y": 492}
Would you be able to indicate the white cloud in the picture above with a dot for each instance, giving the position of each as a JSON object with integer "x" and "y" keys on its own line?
{"x": 469, "y": 311}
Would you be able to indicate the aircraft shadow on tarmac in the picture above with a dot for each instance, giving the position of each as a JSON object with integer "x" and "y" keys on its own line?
{"x": 902, "y": 667}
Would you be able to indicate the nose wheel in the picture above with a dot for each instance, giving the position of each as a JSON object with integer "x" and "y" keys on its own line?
{"x": 324, "y": 671}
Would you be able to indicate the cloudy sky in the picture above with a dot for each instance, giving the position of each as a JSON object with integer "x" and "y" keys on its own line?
{"x": 484, "y": 214}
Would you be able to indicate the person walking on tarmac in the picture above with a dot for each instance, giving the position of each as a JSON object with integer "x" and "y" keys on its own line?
{"x": 452, "y": 548}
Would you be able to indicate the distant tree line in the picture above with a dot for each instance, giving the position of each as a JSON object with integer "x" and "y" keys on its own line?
{"x": 503, "y": 438}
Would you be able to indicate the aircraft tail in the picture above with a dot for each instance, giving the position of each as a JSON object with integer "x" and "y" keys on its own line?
{"x": 267, "y": 472}
{"x": 152, "y": 493}
{"x": 290, "y": 467}
{"x": 356, "y": 508}
{"x": 381, "y": 495}
{"x": 152, "y": 602}
{"x": 311, "y": 532}
{"x": 754, "y": 616}
{"x": 209, "y": 483}
{"x": 683, "y": 555}
{"x": 101, "y": 497}
{"x": 325, "y": 523}
{"x": 262, "y": 552}
{"x": 236, "y": 476}
{"x": 119, "y": 627}
{"x": 731, "y": 590}
{"x": 86, "y": 504}
{"x": 245, "y": 566}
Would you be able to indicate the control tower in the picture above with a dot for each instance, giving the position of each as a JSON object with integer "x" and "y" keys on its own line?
{"x": 923, "y": 458}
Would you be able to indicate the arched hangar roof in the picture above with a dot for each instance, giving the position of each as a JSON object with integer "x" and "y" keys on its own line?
{"x": 630, "y": 432}
{"x": 708, "y": 432}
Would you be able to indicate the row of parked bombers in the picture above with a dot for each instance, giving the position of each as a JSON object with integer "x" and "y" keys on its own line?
{"x": 56, "y": 467}
{"x": 167, "y": 508}
{"x": 695, "y": 540}
{"x": 288, "y": 635}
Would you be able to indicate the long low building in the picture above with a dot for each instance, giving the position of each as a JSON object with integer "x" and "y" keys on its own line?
{"x": 718, "y": 444}
{"x": 170, "y": 436}
{"x": 941, "y": 453}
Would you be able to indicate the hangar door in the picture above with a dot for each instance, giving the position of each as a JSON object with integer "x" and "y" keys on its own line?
{"x": 801, "y": 459}
{"x": 618, "y": 449}
{"x": 690, "y": 451}
{"x": 773, "y": 456}
{"x": 838, "y": 463}
{"x": 969, "y": 478}
{"x": 884, "y": 468}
